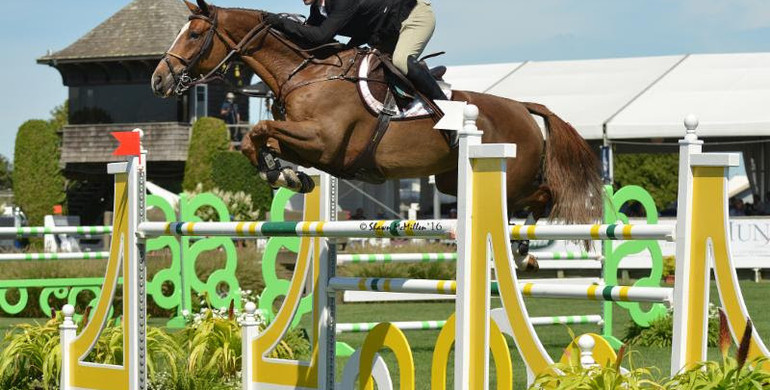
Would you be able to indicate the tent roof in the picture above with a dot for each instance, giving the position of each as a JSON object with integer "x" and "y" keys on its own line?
{"x": 478, "y": 78}
{"x": 644, "y": 97}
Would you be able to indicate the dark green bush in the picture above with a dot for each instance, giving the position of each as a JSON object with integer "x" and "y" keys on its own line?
{"x": 232, "y": 172}
{"x": 209, "y": 137}
{"x": 5, "y": 173}
{"x": 38, "y": 183}
{"x": 660, "y": 333}
{"x": 656, "y": 173}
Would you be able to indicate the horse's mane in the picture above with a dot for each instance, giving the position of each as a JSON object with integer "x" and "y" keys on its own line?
{"x": 322, "y": 52}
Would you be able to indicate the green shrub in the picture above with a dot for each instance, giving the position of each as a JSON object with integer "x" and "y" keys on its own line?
{"x": 59, "y": 115}
{"x": 669, "y": 265}
{"x": 5, "y": 173}
{"x": 209, "y": 136}
{"x": 732, "y": 373}
{"x": 31, "y": 355}
{"x": 212, "y": 344}
{"x": 38, "y": 183}
{"x": 656, "y": 173}
{"x": 660, "y": 333}
{"x": 572, "y": 375}
{"x": 232, "y": 172}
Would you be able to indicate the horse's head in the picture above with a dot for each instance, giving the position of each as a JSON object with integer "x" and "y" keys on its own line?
{"x": 200, "y": 50}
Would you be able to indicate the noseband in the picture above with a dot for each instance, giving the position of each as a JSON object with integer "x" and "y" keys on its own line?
{"x": 183, "y": 81}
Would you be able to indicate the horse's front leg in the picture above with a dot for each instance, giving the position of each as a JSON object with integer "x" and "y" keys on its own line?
{"x": 263, "y": 144}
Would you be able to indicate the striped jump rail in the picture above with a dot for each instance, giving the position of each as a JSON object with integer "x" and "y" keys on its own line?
{"x": 362, "y": 327}
{"x": 450, "y": 257}
{"x": 593, "y": 232}
{"x": 593, "y": 292}
{"x": 596, "y": 292}
{"x": 41, "y": 231}
{"x": 435, "y": 228}
{"x": 416, "y": 286}
{"x": 54, "y": 256}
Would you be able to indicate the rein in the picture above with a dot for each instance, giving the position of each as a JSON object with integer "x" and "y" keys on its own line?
{"x": 183, "y": 81}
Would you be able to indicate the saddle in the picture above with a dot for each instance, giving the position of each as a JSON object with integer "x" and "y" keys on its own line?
{"x": 390, "y": 96}
{"x": 378, "y": 76}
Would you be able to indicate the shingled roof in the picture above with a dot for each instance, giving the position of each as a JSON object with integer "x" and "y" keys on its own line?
{"x": 142, "y": 29}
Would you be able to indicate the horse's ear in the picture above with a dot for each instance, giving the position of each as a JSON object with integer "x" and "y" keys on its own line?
{"x": 203, "y": 7}
{"x": 193, "y": 8}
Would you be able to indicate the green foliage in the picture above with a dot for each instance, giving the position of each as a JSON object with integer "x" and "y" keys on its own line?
{"x": 232, "y": 172}
{"x": 162, "y": 347}
{"x": 669, "y": 265}
{"x": 31, "y": 354}
{"x": 239, "y": 205}
{"x": 209, "y": 136}
{"x": 728, "y": 374}
{"x": 6, "y": 173}
{"x": 573, "y": 375}
{"x": 38, "y": 183}
{"x": 661, "y": 331}
{"x": 59, "y": 116}
{"x": 212, "y": 344}
{"x": 656, "y": 173}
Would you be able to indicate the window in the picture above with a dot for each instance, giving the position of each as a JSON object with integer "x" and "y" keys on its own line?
{"x": 200, "y": 108}
{"x": 119, "y": 103}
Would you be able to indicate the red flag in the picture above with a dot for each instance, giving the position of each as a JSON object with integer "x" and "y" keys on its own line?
{"x": 128, "y": 143}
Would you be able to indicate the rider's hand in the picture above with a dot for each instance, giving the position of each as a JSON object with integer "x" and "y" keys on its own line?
{"x": 274, "y": 20}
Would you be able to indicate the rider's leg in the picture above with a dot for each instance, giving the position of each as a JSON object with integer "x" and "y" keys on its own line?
{"x": 416, "y": 31}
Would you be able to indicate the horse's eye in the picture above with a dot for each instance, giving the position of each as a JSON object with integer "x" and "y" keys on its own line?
{"x": 194, "y": 35}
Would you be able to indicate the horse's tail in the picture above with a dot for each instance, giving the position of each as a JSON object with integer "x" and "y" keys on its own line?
{"x": 571, "y": 171}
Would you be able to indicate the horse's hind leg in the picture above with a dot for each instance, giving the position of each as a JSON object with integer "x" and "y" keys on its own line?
{"x": 537, "y": 204}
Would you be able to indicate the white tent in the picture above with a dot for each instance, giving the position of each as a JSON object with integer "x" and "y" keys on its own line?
{"x": 647, "y": 98}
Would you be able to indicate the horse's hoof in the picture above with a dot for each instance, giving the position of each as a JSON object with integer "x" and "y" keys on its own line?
{"x": 528, "y": 264}
{"x": 306, "y": 183}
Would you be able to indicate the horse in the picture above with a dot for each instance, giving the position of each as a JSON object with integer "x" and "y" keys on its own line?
{"x": 322, "y": 122}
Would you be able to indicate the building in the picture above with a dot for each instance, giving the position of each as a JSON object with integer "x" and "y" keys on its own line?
{"x": 107, "y": 72}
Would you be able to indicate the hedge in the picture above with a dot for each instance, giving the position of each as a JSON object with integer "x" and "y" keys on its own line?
{"x": 38, "y": 183}
{"x": 209, "y": 137}
{"x": 232, "y": 172}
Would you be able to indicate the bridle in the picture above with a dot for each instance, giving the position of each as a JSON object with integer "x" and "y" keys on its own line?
{"x": 183, "y": 81}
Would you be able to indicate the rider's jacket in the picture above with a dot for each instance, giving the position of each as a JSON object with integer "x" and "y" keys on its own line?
{"x": 375, "y": 22}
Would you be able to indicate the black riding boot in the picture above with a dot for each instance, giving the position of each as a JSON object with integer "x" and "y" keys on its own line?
{"x": 423, "y": 80}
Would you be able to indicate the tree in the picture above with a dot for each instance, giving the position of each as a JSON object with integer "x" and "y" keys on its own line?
{"x": 232, "y": 172}
{"x": 60, "y": 115}
{"x": 209, "y": 136}
{"x": 38, "y": 183}
{"x": 6, "y": 171}
{"x": 656, "y": 173}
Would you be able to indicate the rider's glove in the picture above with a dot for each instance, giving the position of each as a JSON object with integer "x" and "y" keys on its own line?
{"x": 274, "y": 20}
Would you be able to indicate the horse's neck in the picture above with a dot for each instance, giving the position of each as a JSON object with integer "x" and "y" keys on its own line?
{"x": 270, "y": 59}
{"x": 273, "y": 62}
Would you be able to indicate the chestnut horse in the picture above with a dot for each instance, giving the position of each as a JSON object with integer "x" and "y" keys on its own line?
{"x": 324, "y": 123}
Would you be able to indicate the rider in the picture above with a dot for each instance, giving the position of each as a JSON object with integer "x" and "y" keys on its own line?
{"x": 400, "y": 27}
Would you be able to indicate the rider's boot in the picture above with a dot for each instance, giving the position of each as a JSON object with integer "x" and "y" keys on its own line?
{"x": 423, "y": 80}
{"x": 420, "y": 76}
